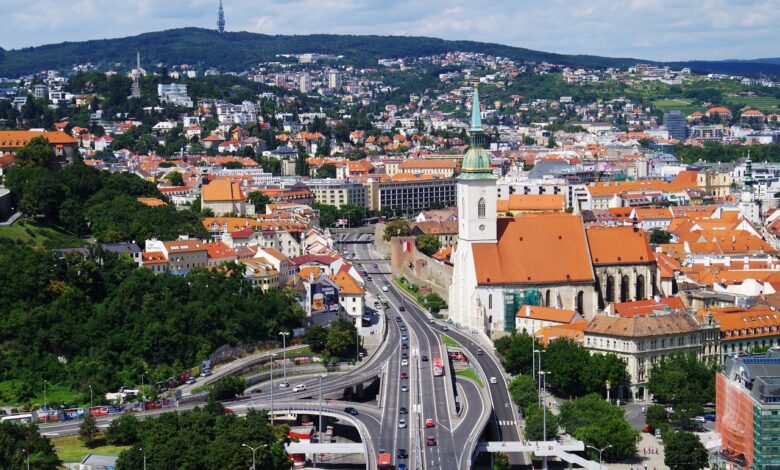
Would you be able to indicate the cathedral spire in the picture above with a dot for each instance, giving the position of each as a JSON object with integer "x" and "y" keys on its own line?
{"x": 476, "y": 116}
{"x": 221, "y": 19}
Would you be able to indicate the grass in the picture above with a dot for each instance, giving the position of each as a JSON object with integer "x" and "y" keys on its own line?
{"x": 683, "y": 105}
{"x": 40, "y": 237}
{"x": 762, "y": 103}
{"x": 9, "y": 390}
{"x": 450, "y": 342}
{"x": 470, "y": 374}
{"x": 70, "y": 449}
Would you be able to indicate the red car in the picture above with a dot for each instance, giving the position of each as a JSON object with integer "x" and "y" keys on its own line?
{"x": 429, "y": 423}
{"x": 431, "y": 441}
{"x": 404, "y": 375}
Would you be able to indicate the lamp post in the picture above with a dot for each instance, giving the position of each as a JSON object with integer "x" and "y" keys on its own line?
{"x": 284, "y": 352}
{"x": 144, "y": 453}
{"x": 539, "y": 382}
{"x": 27, "y": 457}
{"x": 90, "y": 399}
{"x": 600, "y": 451}
{"x": 45, "y": 382}
{"x": 273, "y": 358}
{"x": 322, "y": 376}
{"x": 543, "y": 381}
{"x": 254, "y": 450}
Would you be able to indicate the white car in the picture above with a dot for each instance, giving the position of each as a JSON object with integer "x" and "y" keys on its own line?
{"x": 493, "y": 380}
{"x": 284, "y": 385}
{"x": 404, "y": 362}
{"x": 401, "y": 423}
{"x": 299, "y": 388}
{"x": 404, "y": 388}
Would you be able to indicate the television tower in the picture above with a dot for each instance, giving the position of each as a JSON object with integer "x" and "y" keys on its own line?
{"x": 135, "y": 89}
{"x": 221, "y": 19}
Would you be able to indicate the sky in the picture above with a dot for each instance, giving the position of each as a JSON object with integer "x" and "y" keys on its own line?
{"x": 648, "y": 29}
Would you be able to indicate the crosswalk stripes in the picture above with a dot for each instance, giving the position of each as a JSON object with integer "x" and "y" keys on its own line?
{"x": 507, "y": 423}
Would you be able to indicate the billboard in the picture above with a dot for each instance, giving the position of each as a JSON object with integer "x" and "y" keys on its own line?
{"x": 324, "y": 298}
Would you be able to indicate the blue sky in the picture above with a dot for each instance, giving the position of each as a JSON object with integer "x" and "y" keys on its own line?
{"x": 650, "y": 29}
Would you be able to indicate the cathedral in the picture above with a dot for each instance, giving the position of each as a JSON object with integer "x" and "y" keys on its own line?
{"x": 552, "y": 260}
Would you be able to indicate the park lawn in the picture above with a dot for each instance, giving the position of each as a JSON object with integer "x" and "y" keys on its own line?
{"x": 71, "y": 449}
{"x": 470, "y": 374}
{"x": 40, "y": 237}
{"x": 762, "y": 103}
{"x": 683, "y": 105}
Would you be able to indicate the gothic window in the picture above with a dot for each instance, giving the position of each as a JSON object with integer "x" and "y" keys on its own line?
{"x": 490, "y": 301}
{"x": 640, "y": 287}
{"x": 481, "y": 208}
{"x": 610, "y": 294}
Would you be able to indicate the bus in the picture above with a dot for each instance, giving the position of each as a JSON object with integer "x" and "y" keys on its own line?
{"x": 384, "y": 461}
{"x": 18, "y": 419}
{"x": 438, "y": 366}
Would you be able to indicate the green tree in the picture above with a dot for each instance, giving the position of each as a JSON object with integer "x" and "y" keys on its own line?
{"x": 227, "y": 388}
{"x": 125, "y": 430}
{"x": 598, "y": 423}
{"x": 342, "y": 337}
{"x": 175, "y": 178}
{"x": 259, "y": 199}
{"x": 656, "y": 416}
{"x": 501, "y": 461}
{"x": 682, "y": 378}
{"x": 37, "y": 152}
{"x": 88, "y": 430}
{"x": 551, "y": 142}
{"x": 660, "y": 237}
{"x": 684, "y": 451}
{"x": 317, "y": 338}
{"x": 428, "y": 244}
{"x": 17, "y": 442}
{"x": 42, "y": 197}
{"x": 434, "y": 302}
{"x": 515, "y": 351}
{"x": 326, "y": 171}
{"x": 523, "y": 390}
{"x": 397, "y": 228}
{"x": 535, "y": 423}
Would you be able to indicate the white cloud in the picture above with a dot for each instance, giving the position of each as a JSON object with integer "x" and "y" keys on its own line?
{"x": 651, "y": 29}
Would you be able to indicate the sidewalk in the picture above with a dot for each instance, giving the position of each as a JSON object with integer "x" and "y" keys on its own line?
{"x": 642, "y": 462}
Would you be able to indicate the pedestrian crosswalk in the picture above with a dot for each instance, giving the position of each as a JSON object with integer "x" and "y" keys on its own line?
{"x": 507, "y": 423}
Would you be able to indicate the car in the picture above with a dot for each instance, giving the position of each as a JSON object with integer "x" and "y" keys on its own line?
{"x": 424, "y": 358}
{"x": 699, "y": 419}
{"x": 431, "y": 441}
{"x": 404, "y": 388}
{"x": 299, "y": 388}
{"x": 429, "y": 423}
{"x": 648, "y": 429}
{"x": 191, "y": 380}
{"x": 493, "y": 380}
{"x": 402, "y": 410}
{"x": 256, "y": 390}
{"x": 404, "y": 376}
{"x": 444, "y": 328}
{"x": 404, "y": 337}
{"x": 382, "y": 450}
{"x": 402, "y": 308}
{"x": 385, "y": 288}
{"x": 351, "y": 411}
{"x": 404, "y": 362}
{"x": 404, "y": 355}
{"x": 709, "y": 416}
{"x": 205, "y": 372}
{"x": 405, "y": 346}
{"x": 480, "y": 352}
{"x": 403, "y": 454}
{"x": 401, "y": 423}
{"x": 402, "y": 327}
{"x": 399, "y": 319}
{"x": 376, "y": 265}
{"x": 284, "y": 385}
{"x": 431, "y": 320}
{"x": 402, "y": 466}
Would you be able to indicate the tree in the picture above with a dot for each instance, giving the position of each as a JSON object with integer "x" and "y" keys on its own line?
{"x": 317, "y": 338}
{"x": 175, "y": 178}
{"x": 523, "y": 390}
{"x": 227, "y": 388}
{"x": 342, "y": 338}
{"x": 682, "y": 378}
{"x": 17, "y": 442}
{"x": 259, "y": 199}
{"x": 37, "y": 152}
{"x": 88, "y": 430}
{"x": 660, "y": 237}
{"x": 656, "y": 416}
{"x": 684, "y": 451}
{"x": 501, "y": 461}
{"x": 515, "y": 351}
{"x": 326, "y": 171}
{"x": 434, "y": 302}
{"x": 428, "y": 244}
{"x": 397, "y": 228}
{"x": 124, "y": 430}
{"x": 599, "y": 424}
{"x": 551, "y": 142}
{"x": 535, "y": 424}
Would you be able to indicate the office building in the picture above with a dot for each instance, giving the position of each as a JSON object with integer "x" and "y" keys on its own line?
{"x": 338, "y": 192}
{"x": 675, "y": 124}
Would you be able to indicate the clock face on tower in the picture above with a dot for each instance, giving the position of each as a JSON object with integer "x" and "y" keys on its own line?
{"x": 482, "y": 227}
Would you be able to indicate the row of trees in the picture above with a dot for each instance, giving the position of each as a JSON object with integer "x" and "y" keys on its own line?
{"x": 20, "y": 443}
{"x": 574, "y": 372}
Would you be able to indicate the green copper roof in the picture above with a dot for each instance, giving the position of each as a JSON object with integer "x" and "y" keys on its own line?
{"x": 476, "y": 162}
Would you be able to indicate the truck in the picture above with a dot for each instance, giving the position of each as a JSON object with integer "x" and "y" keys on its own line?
{"x": 384, "y": 461}
{"x": 438, "y": 366}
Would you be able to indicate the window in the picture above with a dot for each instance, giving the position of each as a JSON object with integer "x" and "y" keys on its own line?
{"x": 481, "y": 208}
{"x": 490, "y": 301}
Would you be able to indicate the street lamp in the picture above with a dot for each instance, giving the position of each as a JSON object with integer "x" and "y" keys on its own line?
{"x": 284, "y": 352}
{"x": 539, "y": 382}
{"x": 543, "y": 381}
{"x": 273, "y": 358}
{"x": 322, "y": 376}
{"x": 90, "y": 399}
{"x": 44, "y": 394}
{"x": 254, "y": 449}
{"x": 144, "y": 453}
{"x": 600, "y": 451}
{"x": 27, "y": 456}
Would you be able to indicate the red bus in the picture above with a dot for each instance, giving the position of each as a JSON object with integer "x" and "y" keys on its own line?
{"x": 384, "y": 461}
{"x": 438, "y": 366}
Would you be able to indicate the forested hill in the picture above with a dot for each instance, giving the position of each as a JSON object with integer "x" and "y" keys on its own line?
{"x": 235, "y": 51}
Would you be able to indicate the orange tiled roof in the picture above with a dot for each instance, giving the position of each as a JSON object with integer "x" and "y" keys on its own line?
{"x": 219, "y": 250}
{"x": 535, "y": 249}
{"x": 421, "y": 163}
{"x": 619, "y": 245}
{"x": 223, "y": 190}
{"x": 347, "y": 284}
{"x": 532, "y": 202}
{"x": 18, "y": 139}
{"x": 183, "y": 246}
{"x": 153, "y": 257}
{"x": 738, "y": 324}
{"x": 551, "y": 314}
{"x": 637, "y": 327}
{"x": 573, "y": 331}
{"x": 646, "y": 307}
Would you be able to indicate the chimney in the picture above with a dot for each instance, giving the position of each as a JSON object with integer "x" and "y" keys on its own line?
{"x": 527, "y": 310}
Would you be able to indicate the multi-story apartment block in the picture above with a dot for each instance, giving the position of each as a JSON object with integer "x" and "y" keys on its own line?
{"x": 338, "y": 192}
{"x": 413, "y": 195}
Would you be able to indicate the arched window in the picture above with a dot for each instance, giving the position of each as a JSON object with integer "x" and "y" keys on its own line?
{"x": 580, "y": 303}
{"x": 490, "y": 301}
{"x": 481, "y": 208}
{"x": 610, "y": 294}
{"x": 624, "y": 289}
{"x": 547, "y": 298}
{"x": 640, "y": 287}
